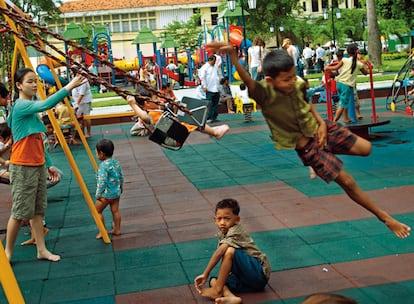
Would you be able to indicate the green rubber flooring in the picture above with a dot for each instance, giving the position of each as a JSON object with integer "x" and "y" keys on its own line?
{"x": 317, "y": 240}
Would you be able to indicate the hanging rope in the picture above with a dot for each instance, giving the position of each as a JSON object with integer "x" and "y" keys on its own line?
{"x": 27, "y": 25}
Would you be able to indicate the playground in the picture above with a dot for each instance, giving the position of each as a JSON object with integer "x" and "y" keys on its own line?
{"x": 315, "y": 238}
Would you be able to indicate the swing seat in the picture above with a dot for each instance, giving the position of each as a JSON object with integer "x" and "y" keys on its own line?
{"x": 198, "y": 108}
{"x": 169, "y": 133}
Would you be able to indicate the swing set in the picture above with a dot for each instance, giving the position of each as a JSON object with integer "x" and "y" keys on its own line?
{"x": 25, "y": 32}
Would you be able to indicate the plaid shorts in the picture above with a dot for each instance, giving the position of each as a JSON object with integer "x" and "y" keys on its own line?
{"x": 323, "y": 159}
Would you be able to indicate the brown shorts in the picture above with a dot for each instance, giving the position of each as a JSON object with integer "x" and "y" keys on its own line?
{"x": 323, "y": 159}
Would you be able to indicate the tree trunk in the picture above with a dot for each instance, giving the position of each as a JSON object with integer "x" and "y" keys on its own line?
{"x": 374, "y": 41}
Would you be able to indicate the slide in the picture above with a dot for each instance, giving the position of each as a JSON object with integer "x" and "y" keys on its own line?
{"x": 46, "y": 74}
{"x": 174, "y": 76}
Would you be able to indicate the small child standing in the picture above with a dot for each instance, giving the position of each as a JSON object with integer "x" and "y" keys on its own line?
{"x": 346, "y": 81}
{"x": 244, "y": 268}
{"x": 110, "y": 180}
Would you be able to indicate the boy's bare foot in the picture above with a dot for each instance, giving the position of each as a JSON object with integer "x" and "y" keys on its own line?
{"x": 312, "y": 173}
{"x": 47, "y": 255}
{"x": 115, "y": 232}
{"x": 219, "y": 131}
{"x": 400, "y": 230}
{"x": 98, "y": 236}
{"x": 210, "y": 293}
{"x": 228, "y": 300}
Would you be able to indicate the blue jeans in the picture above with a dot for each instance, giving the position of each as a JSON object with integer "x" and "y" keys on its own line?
{"x": 214, "y": 97}
{"x": 246, "y": 273}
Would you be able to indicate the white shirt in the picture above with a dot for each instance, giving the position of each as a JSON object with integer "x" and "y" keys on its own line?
{"x": 255, "y": 54}
{"x": 85, "y": 90}
{"x": 209, "y": 77}
{"x": 307, "y": 52}
{"x": 320, "y": 53}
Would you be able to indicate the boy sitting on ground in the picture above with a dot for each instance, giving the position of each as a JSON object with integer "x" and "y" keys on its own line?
{"x": 244, "y": 268}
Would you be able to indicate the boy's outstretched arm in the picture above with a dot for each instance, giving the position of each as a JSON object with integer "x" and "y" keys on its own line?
{"x": 138, "y": 111}
{"x": 224, "y": 47}
{"x": 200, "y": 280}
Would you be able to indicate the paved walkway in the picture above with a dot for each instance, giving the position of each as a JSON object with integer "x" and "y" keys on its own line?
{"x": 317, "y": 240}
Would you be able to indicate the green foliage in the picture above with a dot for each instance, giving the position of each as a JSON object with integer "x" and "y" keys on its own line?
{"x": 42, "y": 11}
{"x": 396, "y": 10}
{"x": 185, "y": 33}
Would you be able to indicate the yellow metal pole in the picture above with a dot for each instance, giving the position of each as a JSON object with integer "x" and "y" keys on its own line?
{"x": 8, "y": 280}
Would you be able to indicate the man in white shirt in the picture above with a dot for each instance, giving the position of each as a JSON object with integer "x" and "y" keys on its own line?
{"x": 210, "y": 81}
{"x": 308, "y": 55}
{"x": 320, "y": 54}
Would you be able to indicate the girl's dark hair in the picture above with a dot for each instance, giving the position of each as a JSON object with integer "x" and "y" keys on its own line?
{"x": 223, "y": 80}
{"x": 277, "y": 61}
{"x": 229, "y": 203}
{"x": 106, "y": 146}
{"x": 5, "y": 131}
{"x": 352, "y": 50}
{"x": 18, "y": 78}
{"x": 3, "y": 90}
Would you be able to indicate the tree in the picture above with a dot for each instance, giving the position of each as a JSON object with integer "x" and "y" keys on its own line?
{"x": 185, "y": 33}
{"x": 42, "y": 11}
{"x": 396, "y": 10}
{"x": 374, "y": 41}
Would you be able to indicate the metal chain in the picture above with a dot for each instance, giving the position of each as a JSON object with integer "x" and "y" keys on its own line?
{"x": 27, "y": 25}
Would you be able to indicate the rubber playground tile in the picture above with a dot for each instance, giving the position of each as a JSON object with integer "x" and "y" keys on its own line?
{"x": 99, "y": 300}
{"x": 136, "y": 279}
{"x": 287, "y": 257}
{"x": 30, "y": 290}
{"x": 327, "y": 232}
{"x": 146, "y": 257}
{"x": 197, "y": 249}
{"x": 402, "y": 292}
{"x": 182, "y": 294}
{"x": 76, "y": 288}
{"x": 82, "y": 265}
{"x": 23, "y": 270}
{"x": 350, "y": 250}
{"x": 393, "y": 244}
{"x": 70, "y": 246}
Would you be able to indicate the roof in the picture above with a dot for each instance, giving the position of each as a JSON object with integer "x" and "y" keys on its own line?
{"x": 74, "y": 6}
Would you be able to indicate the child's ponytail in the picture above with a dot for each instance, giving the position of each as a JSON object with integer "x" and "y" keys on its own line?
{"x": 352, "y": 50}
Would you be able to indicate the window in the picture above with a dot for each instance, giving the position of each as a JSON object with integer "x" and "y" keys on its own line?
{"x": 106, "y": 17}
{"x": 125, "y": 26}
{"x": 116, "y": 27}
{"x": 134, "y": 26}
{"x": 153, "y": 24}
{"x": 142, "y": 23}
{"x": 88, "y": 19}
{"x": 214, "y": 19}
{"x": 315, "y": 6}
